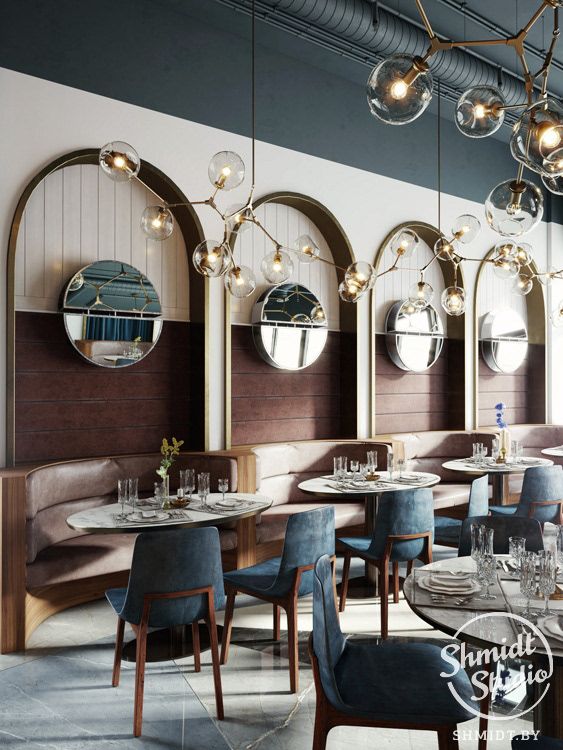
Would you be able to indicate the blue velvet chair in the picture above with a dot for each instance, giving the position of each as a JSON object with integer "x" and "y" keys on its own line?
{"x": 403, "y": 532}
{"x": 393, "y": 685}
{"x": 176, "y": 578}
{"x": 532, "y": 743}
{"x": 447, "y": 530}
{"x": 504, "y": 527}
{"x": 541, "y": 496}
{"x": 282, "y": 580}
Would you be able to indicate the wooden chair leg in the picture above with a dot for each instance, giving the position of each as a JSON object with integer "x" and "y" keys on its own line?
{"x": 212, "y": 627}
{"x": 141, "y": 657}
{"x": 395, "y": 583}
{"x": 447, "y": 739}
{"x": 277, "y": 628}
{"x": 384, "y": 583}
{"x": 344, "y": 585}
{"x": 117, "y": 655}
{"x": 196, "y": 646}
{"x": 321, "y": 731}
{"x": 483, "y": 723}
{"x": 293, "y": 646}
{"x": 228, "y": 624}
{"x": 410, "y": 566}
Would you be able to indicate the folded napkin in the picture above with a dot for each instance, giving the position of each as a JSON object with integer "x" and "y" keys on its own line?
{"x": 552, "y": 626}
{"x": 451, "y": 583}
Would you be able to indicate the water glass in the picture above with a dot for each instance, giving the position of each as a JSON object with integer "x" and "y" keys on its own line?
{"x": 559, "y": 547}
{"x": 401, "y": 467}
{"x": 223, "y": 487}
{"x": 133, "y": 492}
{"x": 187, "y": 480}
{"x": 528, "y": 581}
{"x": 354, "y": 468}
{"x": 488, "y": 540}
{"x": 372, "y": 461}
{"x": 495, "y": 448}
{"x": 483, "y": 455}
{"x": 476, "y": 541}
{"x": 122, "y": 494}
{"x": 159, "y": 494}
{"x": 516, "y": 548}
{"x": 486, "y": 573}
{"x": 203, "y": 487}
{"x": 515, "y": 450}
{"x": 547, "y": 575}
{"x": 342, "y": 467}
{"x": 364, "y": 471}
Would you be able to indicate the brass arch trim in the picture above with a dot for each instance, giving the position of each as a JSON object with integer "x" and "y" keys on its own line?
{"x": 537, "y": 322}
{"x": 192, "y": 232}
{"x": 455, "y": 326}
{"x": 342, "y": 254}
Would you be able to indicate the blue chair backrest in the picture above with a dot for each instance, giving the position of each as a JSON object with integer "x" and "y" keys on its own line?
{"x": 403, "y": 512}
{"x": 308, "y": 536}
{"x": 504, "y": 527}
{"x": 328, "y": 641}
{"x": 479, "y": 497}
{"x": 541, "y": 483}
{"x": 174, "y": 560}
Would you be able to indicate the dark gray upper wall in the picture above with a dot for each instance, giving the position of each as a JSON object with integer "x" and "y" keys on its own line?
{"x": 191, "y": 59}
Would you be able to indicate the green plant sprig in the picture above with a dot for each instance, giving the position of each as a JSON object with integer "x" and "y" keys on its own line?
{"x": 169, "y": 453}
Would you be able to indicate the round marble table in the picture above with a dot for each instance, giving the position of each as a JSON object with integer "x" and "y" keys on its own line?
{"x": 499, "y": 473}
{"x": 494, "y": 630}
{"x": 173, "y": 643}
{"x": 557, "y": 451}
{"x": 370, "y": 492}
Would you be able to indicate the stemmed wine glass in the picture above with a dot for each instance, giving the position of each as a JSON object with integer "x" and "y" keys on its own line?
{"x": 223, "y": 486}
{"x": 547, "y": 570}
{"x": 528, "y": 582}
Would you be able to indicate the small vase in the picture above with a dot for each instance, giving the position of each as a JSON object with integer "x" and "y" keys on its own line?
{"x": 165, "y": 488}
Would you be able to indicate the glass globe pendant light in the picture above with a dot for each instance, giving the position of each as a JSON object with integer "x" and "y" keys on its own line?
{"x": 348, "y": 291}
{"x": 479, "y": 112}
{"x": 318, "y": 315}
{"x": 306, "y": 248}
{"x": 404, "y": 243}
{"x": 211, "y": 258}
{"x": 523, "y": 284}
{"x": 239, "y": 219}
{"x": 444, "y": 249}
{"x": 421, "y": 294}
{"x": 514, "y": 207}
{"x": 119, "y": 161}
{"x": 523, "y": 253}
{"x": 453, "y": 300}
{"x": 466, "y": 228}
{"x": 277, "y": 266}
{"x": 157, "y": 222}
{"x": 240, "y": 281}
{"x": 505, "y": 263}
{"x": 399, "y": 89}
{"x": 226, "y": 170}
{"x": 553, "y": 184}
{"x": 360, "y": 274}
{"x": 537, "y": 138}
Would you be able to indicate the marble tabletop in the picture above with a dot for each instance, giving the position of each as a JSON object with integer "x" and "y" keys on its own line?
{"x": 327, "y": 485}
{"x": 489, "y": 466}
{"x": 557, "y": 451}
{"x": 105, "y": 519}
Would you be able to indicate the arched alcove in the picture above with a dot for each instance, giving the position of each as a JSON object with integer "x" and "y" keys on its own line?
{"x": 58, "y": 405}
{"x": 410, "y": 401}
{"x": 524, "y": 390}
{"x": 264, "y": 404}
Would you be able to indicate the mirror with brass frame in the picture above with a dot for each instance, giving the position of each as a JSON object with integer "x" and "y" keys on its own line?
{"x": 414, "y": 338}
{"x": 111, "y": 314}
{"x": 289, "y": 326}
{"x": 504, "y": 340}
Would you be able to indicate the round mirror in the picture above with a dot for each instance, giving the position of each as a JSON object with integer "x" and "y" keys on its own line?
{"x": 414, "y": 338}
{"x": 289, "y": 326}
{"x": 111, "y": 313}
{"x": 504, "y": 340}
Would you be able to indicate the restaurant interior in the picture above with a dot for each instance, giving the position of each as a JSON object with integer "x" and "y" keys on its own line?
{"x": 282, "y": 403}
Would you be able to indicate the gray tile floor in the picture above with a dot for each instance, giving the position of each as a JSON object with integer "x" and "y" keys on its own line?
{"x": 58, "y": 694}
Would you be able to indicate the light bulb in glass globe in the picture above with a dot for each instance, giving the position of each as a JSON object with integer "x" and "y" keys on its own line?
{"x": 240, "y": 281}
{"x": 466, "y": 228}
{"x": 553, "y": 184}
{"x": 119, "y": 161}
{"x": 407, "y": 308}
{"x": 238, "y": 219}
{"x": 547, "y": 276}
{"x": 359, "y": 273}
{"x": 211, "y": 258}
{"x": 444, "y": 249}
{"x": 421, "y": 295}
{"x": 506, "y": 267}
{"x": 226, "y": 170}
{"x": 276, "y": 266}
{"x": 318, "y": 315}
{"x": 157, "y": 222}
{"x": 404, "y": 243}
{"x": 399, "y": 89}
{"x": 557, "y": 316}
{"x": 306, "y": 248}
{"x": 453, "y": 300}
{"x": 350, "y": 292}
{"x": 522, "y": 285}
{"x": 537, "y": 138}
{"x": 479, "y": 112}
{"x": 523, "y": 253}
{"x": 513, "y": 208}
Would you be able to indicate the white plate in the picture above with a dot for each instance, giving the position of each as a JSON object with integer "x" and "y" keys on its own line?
{"x": 228, "y": 503}
{"x": 472, "y": 587}
{"x": 160, "y": 515}
{"x": 552, "y": 626}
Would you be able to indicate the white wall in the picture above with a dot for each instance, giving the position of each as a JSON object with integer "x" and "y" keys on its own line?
{"x": 367, "y": 205}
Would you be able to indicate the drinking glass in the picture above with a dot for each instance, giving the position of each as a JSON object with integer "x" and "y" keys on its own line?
{"x": 336, "y": 467}
{"x": 122, "y": 495}
{"x": 223, "y": 487}
{"x": 372, "y": 461}
{"x": 342, "y": 467}
{"x": 559, "y": 548}
{"x": 188, "y": 481}
{"x": 528, "y": 581}
{"x": 547, "y": 575}
{"x": 475, "y": 454}
{"x": 488, "y": 541}
{"x": 133, "y": 492}
{"x": 364, "y": 471}
{"x": 354, "y": 468}
{"x": 203, "y": 488}
{"x": 495, "y": 446}
{"x": 401, "y": 467}
{"x": 516, "y": 548}
{"x": 483, "y": 455}
{"x": 515, "y": 450}
{"x": 476, "y": 541}
{"x": 486, "y": 573}
{"x": 159, "y": 494}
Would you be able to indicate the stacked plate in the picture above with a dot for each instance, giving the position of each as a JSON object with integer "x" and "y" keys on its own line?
{"x": 443, "y": 582}
{"x": 552, "y": 627}
{"x": 148, "y": 516}
{"x": 228, "y": 502}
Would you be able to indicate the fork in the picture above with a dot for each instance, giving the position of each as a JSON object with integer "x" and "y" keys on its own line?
{"x": 437, "y": 598}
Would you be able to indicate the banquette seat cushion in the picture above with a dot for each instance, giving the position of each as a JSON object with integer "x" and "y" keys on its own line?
{"x": 281, "y": 467}
{"x": 56, "y": 553}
